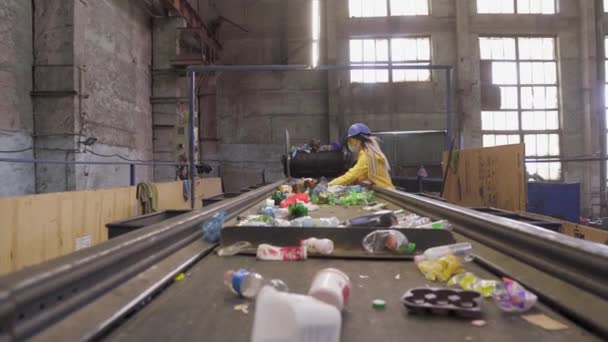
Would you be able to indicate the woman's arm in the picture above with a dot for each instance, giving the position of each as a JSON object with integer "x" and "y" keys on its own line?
{"x": 356, "y": 173}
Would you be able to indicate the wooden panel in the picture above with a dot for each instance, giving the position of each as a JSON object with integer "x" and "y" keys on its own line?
{"x": 37, "y": 228}
{"x": 578, "y": 231}
{"x": 487, "y": 177}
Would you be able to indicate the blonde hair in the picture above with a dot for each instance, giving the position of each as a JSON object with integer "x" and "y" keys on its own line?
{"x": 372, "y": 148}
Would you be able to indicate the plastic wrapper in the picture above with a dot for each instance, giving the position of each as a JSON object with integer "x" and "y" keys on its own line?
{"x": 294, "y": 199}
{"x": 326, "y": 222}
{"x": 305, "y": 221}
{"x": 510, "y": 296}
{"x": 212, "y": 227}
{"x": 355, "y": 198}
{"x": 391, "y": 240}
{"x": 257, "y": 221}
{"x": 469, "y": 281}
{"x": 298, "y": 210}
{"x": 438, "y": 225}
{"x": 412, "y": 221}
{"x": 234, "y": 249}
{"x": 441, "y": 269}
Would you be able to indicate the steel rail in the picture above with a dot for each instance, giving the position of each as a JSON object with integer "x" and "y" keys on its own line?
{"x": 35, "y": 298}
{"x": 579, "y": 262}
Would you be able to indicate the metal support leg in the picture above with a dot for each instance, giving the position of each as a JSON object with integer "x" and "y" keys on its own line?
{"x": 132, "y": 174}
{"x": 192, "y": 172}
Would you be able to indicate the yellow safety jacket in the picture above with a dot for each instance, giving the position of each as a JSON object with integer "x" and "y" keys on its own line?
{"x": 362, "y": 172}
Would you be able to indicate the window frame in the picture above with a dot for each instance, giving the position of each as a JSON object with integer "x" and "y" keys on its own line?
{"x": 389, "y": 63}
{"x": 389, "y": 12}
{"x": 516, "y": 9}
{"x": 520, "y": 132}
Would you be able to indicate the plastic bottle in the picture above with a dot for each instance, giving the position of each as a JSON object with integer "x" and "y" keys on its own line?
{"x": 243, "y": 282}
{"x": 384, "y": 218}
{"x": 438, "y": 225}
{"x": 305, "y": 221}
{"x": 321, "y": 246}
{"x": 461, "y": 250}
{"x": 248, "y": 284}
{"x": 234, "y": 249}
{"x": 391, "y": 240}
{"x": 326, "y": 222}
{"x": 212, "y": 227}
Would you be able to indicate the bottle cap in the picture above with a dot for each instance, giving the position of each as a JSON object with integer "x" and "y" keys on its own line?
{"x": 379, "y": 304}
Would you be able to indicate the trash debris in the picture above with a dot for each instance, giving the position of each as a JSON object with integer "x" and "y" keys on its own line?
{"x": 331, "y": 286}
{"x": 234, "y": 249}
{"x": 461, "y": 250}
{"x": 468, "y": 281}
{"x": 391, "y": 240}
{"x": 398, "y": 276}
{"x": 381, "y": 219}
{"x": 326, "y": 222}
{"x": 294, "y": 199}
{"x": 298, "y": 210}
{"x": 212, "y": 227}
{"x": 321, "y": 246}
{"x": 363, "y": 276}
{"x": 410, "y": 221}
{"x": 376, "y": 207}
{"x": 279, "y": 285}
{"x": 356, "y": 197}
{"x": 277, "y": 197}
{"x": 244, "y": 308}
{"x": 545, "y": 322}
{"x": 437, "y": 225}
{"x": 302, "y": 318}
{"x": 442, "y": 269}
{"x": 305, "y": 221}
{"x": 276, "y": 253}
{"x": 179, "y": 277}
{"x": 243, "y": 282}
{"x": 443, "y": 301}
{"x": 269, "y": 202}
{"x": 478, "y": 323}
{"x": 256, "y": 221}
{"x": 510, "y": 296}
{"x": 379, "y": 304}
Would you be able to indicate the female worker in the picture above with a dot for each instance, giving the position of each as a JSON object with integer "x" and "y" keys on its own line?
{"x": 371, "y": 166}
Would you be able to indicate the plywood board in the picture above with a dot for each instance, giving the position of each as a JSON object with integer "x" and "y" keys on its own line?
{"x": 578, "y": 231}
{"x": 487, "y": 177}
{"x": 37, "y": 228}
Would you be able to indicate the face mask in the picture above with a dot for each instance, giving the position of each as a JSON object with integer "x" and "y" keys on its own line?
{"x": 353, "y": 145}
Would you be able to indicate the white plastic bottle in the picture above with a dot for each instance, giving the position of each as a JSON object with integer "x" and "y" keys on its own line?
{"x": 463, "y": 250}
{"x": 243, "y": 282}
{"x": 322, "y": 246}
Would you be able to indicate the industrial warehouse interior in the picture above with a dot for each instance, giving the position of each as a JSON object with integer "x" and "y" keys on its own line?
{"x": 303, "y": 170}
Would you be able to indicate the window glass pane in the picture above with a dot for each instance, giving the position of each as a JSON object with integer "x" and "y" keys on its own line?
{"x": 513, "y": 138}
{"x": 487, "y": 121}
{"x": 508, "y": 97}
{"x": 555, "y": 171}
{"x": 356, "y": 76}
{"x": 536, "y": 48}
{"x": 409, "y": 7}
{"x": 552, "y": 120}
{"x": 382, "y": 50}
{"x": 495, "y": 6}
{"x": 398, "y": 49}
{"x": 369, "y": 50}
{"x": 380, "y": 9}
{"x": 530, "y": 141}
{"x": 354, "y": 8}
{"x": 501, "y": 139}
{"x": 504, "y": 73}
{"x": 554, "y": 144}
{"x": 488, "y": 140}
{"x": 423, "y": 49}
{"x": 356, "y": 50}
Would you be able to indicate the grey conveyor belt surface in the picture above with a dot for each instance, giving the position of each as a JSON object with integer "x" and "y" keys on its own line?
{"x": 200, "y": 308}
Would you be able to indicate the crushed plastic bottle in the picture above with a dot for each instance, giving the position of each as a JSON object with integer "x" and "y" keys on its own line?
{"x": 412, "y": 221}
{"x": 510, "y": 296}
{"x": 462, "y": 250}
{"x": 247, "y": 284}
{"x": 469, "y": 281}
{"x": 243, "y": 282}
{"x": 438, "y": 225}
{"x": 305, "y": 221}
{"x": 326, "y": 222}
{"x": 441, "y": 269}
{"x": 234, "y": 249}
{"x": 321, "y": 246}
{"x": 391, "y": 240}
{"x": 212, "y": 227}
{"x": 385, "y": 218}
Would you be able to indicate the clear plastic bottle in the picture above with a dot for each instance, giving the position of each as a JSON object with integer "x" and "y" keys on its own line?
{"x": 321, "y": 246}
{"x": 462, "y": 250}
{"x": 247, "y": 284}
{"x": 391, "y": 240}
{"x": 326, "y": 222}
{"x": 243, "y": 282}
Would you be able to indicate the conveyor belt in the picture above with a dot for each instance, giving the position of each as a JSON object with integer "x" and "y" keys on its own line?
{"x": 201, "y": 308}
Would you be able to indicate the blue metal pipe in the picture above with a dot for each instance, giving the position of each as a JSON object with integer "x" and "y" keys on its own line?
{"x": 69, "y": 162}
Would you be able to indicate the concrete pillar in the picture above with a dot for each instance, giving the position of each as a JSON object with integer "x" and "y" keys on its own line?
{"x": 16, "y": 121}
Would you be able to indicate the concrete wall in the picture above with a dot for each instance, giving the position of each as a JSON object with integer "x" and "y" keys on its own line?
{"x": 16, "y": 121}
{"x": 254, "y": 109}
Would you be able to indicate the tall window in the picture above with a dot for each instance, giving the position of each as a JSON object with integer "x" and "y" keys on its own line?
{"x": 525, "y": 71}
{"x": 386, "y": 52}
{"x": 316, "y": 32}
{"x": 517, "y": 6}
{"x": 383, "y": 8}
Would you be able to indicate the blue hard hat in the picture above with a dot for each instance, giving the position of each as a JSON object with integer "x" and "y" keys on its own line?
{"x": 358, "y": 128}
